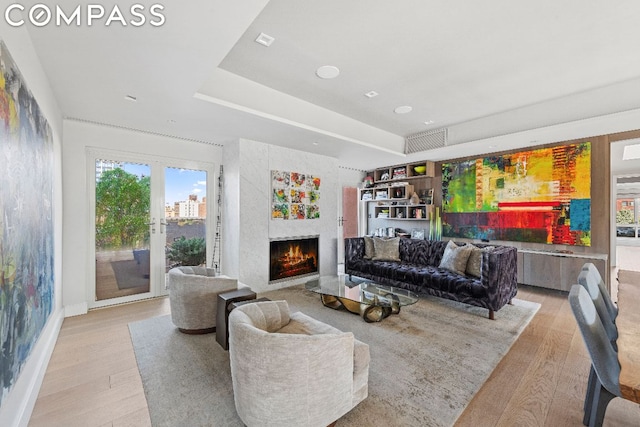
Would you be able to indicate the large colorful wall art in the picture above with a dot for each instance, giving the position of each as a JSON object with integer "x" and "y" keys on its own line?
{"x": 26, "y": 222}
{"x": 294, "y": 195}
{"x": 541, "y": 195}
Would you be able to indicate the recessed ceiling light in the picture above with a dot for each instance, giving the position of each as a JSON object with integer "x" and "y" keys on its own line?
{"x": 316, "y": 143}
{"x": 131, "y": 98}
{"x": 327, "y": 72}
{"x": 171, "y": 121}
{"x": 264, "y": 39}
{"x": 371, "y": 94}
{"x": 403, "y": 109}
{"x": 428, "y": 122}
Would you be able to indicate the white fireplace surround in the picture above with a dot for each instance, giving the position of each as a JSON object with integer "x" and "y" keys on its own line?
{"x": 247, "y": 225}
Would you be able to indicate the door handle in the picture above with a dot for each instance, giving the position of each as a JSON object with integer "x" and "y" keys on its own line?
{"x": 163, "y": 223}
{"x": 152, "y": 224}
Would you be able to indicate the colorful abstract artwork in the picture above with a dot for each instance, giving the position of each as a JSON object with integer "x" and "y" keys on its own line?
{"x": 294, "y": 195}
{"x": 26, "y": 222}
{"x": 541, "y": 196}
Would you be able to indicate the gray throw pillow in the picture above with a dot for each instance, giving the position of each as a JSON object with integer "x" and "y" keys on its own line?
{"x": 386, "y": 249}
{"x": 455, "y": 257}
{"x": 369, "y": 249}
{"x": 474, "y": 263}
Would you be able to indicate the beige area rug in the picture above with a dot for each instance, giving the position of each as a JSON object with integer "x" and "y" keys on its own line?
{"x": 426, "y": 363}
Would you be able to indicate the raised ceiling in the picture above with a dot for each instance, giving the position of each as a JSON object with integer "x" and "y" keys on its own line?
{"x": 480, "y": 69}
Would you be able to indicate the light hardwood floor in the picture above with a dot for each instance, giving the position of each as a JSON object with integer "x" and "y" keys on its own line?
{"x": 93, "y": 380}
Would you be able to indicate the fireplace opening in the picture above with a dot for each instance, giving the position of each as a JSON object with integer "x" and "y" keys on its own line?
{"x": 293, "y": 257}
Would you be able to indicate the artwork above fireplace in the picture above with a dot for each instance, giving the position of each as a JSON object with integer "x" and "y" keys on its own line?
{"x": 293, "y": 257}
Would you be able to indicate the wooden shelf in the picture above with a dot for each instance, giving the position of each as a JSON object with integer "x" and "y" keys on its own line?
{"x": 403, "y": 212}
{"x": 403, "y": 172}
{"x": 390, "y": 196}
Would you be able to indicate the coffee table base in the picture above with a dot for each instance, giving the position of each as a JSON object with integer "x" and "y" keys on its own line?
{"x": 369, "y": 312}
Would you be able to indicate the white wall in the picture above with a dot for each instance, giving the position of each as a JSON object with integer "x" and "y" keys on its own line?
{"x": 248, "y": 227}
{"x": 231, "y": 210}
{"x": 18, "y": 405}
{"x": 78, "y": 137}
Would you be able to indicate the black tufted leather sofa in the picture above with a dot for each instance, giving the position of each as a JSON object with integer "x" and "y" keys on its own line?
{"x": 418, "y": 271}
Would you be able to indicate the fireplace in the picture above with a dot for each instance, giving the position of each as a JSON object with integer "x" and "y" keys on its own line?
{"x": 293, "y": 257}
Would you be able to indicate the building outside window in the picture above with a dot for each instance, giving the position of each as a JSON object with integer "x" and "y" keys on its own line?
{"x": 627, "y": 217}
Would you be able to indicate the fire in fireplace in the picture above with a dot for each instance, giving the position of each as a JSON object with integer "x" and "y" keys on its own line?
{"x": 293, "y": 257}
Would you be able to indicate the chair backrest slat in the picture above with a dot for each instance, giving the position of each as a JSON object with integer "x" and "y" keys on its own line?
{"x": 611, "y": 307}
{"x": 603, "y": 356}
{"x": 590, "y": 283}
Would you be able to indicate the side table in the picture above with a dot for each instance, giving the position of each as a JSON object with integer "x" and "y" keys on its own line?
{"x": 222, "y": 316}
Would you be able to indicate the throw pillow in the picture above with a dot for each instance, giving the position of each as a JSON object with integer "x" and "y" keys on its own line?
{"x": 455, "y": 257}
{"x": 369, "y": 250}
{"x": 474, "y": 263}
{"x": 386, "y": 249}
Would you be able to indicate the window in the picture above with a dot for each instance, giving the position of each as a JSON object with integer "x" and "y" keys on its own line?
{"x": 627, "y": 217}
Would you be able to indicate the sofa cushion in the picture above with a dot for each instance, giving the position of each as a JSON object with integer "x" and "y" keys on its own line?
{"x": 369, "y": 249}
{"x": 474, "y": 263}
{"x": 455, "y": 257}
{"x": 386, "y": 249}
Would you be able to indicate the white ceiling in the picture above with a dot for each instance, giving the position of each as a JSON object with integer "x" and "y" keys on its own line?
{"x": 480, "y": 69}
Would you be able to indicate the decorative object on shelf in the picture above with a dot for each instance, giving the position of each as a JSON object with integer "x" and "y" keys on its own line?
{"x": 420, "y": 170}
{"x": 294, "y": 195}
{"x": 426, "y": 196}
{"x": 400, "y": 214}
{"x": 415, "y": 199}
{"x": 382, "y": 194}
{"x": 400, "y": 173}
{"x": 368, "y": 181}
{"x": 384, "y": 176}
{"x": 435, "y": 226}
{"x": 398, "y": 192}
{"x": 417, "y": 233}
{"x": 418, "y": 213}
{"x": 368, "y": 195}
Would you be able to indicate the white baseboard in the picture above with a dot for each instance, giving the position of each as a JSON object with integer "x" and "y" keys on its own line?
{"x": 76, "y": 309}
{"x": 17, "y": 407}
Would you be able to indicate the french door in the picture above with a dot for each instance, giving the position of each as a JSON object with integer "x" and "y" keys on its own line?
{"x": 148, "y": 214}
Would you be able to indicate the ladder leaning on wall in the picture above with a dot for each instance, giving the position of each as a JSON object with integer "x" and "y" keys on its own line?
{"x": 215, "y": 256}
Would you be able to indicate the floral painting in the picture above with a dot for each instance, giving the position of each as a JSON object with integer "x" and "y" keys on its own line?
{"x": 26, "y": 222}
{"x": 295, "y": 196}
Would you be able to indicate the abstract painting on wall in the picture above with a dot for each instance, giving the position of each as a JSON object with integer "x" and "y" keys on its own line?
{"x": 26, "y": 222}
{"x": 541, "y": 196}
{"x": 294, "y": 195}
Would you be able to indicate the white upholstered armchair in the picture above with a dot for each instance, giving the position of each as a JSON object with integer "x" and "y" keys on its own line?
{"x": 193, "y": 294}
{"x": 293, "y": 370}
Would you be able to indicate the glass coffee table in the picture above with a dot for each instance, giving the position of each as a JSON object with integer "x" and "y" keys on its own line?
{"x": 372, "y": 301}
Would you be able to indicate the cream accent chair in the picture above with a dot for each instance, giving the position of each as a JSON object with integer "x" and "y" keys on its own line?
{"x": 193, "y": 294}
{"x": 293, "y": 370}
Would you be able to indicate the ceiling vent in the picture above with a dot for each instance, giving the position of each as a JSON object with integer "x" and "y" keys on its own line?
{"x": 424, "y": 141}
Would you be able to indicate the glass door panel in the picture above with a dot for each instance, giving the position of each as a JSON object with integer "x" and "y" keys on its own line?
{"x": 185, "y": 219}
{"x": 122, "y": 227}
